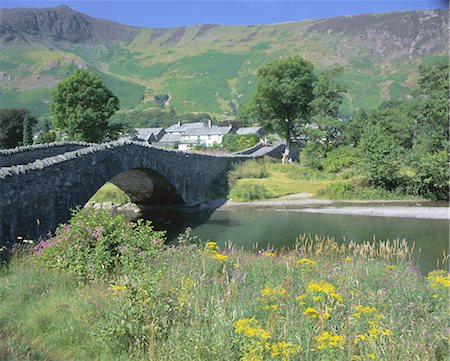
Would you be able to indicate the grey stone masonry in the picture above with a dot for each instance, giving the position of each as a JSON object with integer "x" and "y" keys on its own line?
{"x": 36, "y": 197}
{"x": 28, "y": 154}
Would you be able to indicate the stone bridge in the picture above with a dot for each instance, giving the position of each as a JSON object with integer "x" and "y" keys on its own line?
{"x": 40, "y": 184}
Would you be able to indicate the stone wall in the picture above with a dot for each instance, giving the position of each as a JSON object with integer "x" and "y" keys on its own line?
{"x": 38, "y": 196}
{"x": 28, "y": 154}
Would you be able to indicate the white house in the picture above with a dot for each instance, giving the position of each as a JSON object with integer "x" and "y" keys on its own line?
{"x": 204, "y": 136}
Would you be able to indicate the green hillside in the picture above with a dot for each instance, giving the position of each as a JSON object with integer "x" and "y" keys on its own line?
{"x": 210, "y": 68}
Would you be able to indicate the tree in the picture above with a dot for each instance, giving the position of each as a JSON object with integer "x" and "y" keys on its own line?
{"x": 380, "y": 156}
{"x": 81, "y": 107}
{"x": 12, "y": 125}
{"x": 281, "y": 101}
{"x": 328, "y": 96}
{"x": 27, "y": 130}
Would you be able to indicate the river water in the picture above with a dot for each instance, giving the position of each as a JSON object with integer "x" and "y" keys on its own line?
{"x": 280, "y": 228}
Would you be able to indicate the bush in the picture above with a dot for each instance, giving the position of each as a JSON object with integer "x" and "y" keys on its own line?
{"x": 355, "y": 189}
{"x": 339, "y": 158}
{"x": 312, "y": 155}
{"x": 236, "y": 142}
{"x": 95, "y": 245}
{"x": 249, "y": 169}
{"x": 431, "y": 180}
{"x": 249, "y": 192}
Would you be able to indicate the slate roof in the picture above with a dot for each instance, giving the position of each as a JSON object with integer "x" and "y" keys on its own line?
{"x": 184, "y": 127}
{"x": 145, "y": 133}
{"x": 208, "y": 131}
{"x": 170, "y": 138}
{"x": 248, "y": 130}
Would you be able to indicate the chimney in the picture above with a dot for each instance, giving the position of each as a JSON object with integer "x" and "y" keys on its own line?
{"x": 209, "y": 123}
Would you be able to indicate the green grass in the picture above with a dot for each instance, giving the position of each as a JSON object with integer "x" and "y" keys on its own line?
{"x": 187, "y": 300}
{"x": 274, "y": 179}
{"x": 110, "y": 193}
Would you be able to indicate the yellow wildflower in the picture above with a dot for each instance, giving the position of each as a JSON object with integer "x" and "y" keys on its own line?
{"x": 211, "y": 247}
{"x": 391, "y": 268}
{"x": 325, "y": 315}
{"x": 360, "y": 337}
{"x": 283, "y": 349}
{"x": 117, "y": 288}
{"x": 249, "y": 327}
{"x": 348, "y": 259}
{"x": 269, "y": 254}
{"x": 324, "y": 287}
{"x": 306, "y": 262}
{"x": 300, "y": 299}
{"x": 220, "y": 257}
{"x": 371, "y": 356}
{"x": 312, "y": 312}
{"x": 317, "y": 298}
{"x": 364, "y": 309}
{"x": 327, "y": 339}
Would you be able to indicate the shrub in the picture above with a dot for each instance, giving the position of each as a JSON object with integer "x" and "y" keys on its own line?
{"x": 312, "y": 155}
{"x": 250, "y": 192}
{"x": 95, "y": 244}
{"x": 339, "y": 158}
{"x": 249, "y": 169}
{"x": 236, "y": 142}
{"x": 355, "y": 189}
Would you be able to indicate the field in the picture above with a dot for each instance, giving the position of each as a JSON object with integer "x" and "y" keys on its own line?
{"x": 196, "y": 301}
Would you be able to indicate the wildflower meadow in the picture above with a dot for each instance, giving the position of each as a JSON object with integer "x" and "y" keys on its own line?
{"x": 114, "y": 291}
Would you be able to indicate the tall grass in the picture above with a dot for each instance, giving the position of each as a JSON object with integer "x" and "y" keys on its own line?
{"x": 317, "y": 301}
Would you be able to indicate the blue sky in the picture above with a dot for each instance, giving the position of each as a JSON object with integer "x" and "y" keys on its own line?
{"x": 230, "y": 12}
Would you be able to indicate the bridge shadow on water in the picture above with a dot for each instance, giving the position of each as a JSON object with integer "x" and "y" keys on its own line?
{"x": 175, "y": 220}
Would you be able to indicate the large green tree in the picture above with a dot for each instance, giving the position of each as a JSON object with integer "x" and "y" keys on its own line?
{"x": 12, "y": 126}
{"x": 81, "y": 107}
{"x": 328, "y": 96}
{"x": 282, "y": 97}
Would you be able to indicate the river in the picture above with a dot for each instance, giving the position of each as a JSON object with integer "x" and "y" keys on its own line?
{"x": 278, "y": 228}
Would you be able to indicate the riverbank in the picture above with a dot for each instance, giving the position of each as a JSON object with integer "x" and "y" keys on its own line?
{"x": 302, "y": 202}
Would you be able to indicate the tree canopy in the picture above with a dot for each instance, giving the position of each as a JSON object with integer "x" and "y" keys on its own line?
{"x": 12, "y": 127}
{"x": 81, "y": 107}
{"x": 283, "y": 94}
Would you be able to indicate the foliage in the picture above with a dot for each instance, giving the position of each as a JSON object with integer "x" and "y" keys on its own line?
{"x": 81, "y": 106}
{"x": 431, "y": 180}
{"x": 328, "y": 97}
{"x": 110, "y": 193}
{"x": 355, "y": 188}
{"x": 340, "y": 158}
{"x": 249, "y": 192}
{"x": 236, "y": 142}
{"x": 28, "y": 130}
{"x": 248, "y": 169}
{"x": 380, "y": 156}
{"x": 96, "y": 244}
{"x": 321, "y": 300}
{"x": 283, "y": 94}
{"x": 46, "y": 137}
{"x": 312, "y": 155}
{"x": 12, "y": 126}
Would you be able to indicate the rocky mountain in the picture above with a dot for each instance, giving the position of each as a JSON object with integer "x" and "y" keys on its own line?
{"x": 211, "y": 68}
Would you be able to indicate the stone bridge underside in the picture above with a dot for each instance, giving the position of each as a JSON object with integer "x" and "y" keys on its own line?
{"x": 37, "y": 196}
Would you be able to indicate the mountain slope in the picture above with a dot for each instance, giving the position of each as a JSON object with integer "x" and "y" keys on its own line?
{"x": 211, "y": 68}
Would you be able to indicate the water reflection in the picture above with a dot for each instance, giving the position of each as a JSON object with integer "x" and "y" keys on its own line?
{"x": 280, "y": 228}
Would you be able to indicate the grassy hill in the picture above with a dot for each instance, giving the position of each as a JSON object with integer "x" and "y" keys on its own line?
{"x": 211, "y": 68}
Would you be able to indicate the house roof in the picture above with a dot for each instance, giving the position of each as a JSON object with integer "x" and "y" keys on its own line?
{"x": 170, "y": 138}
{"x": 208, "y": 131}
{"x": 145, "y": 133}
{"x": 248, "y": 130}
{"x": 184, "y": 127}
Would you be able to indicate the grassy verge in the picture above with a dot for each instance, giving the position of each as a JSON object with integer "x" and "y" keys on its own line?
{"x": 263, "y": 179}
{"x": 110, "y": 193}
{"x": 318, "y": 301}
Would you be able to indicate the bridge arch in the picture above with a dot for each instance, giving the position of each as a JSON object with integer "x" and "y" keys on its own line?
{"x": 39, "y": 196}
